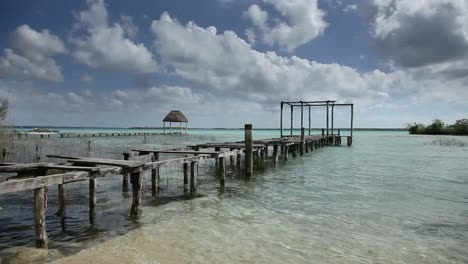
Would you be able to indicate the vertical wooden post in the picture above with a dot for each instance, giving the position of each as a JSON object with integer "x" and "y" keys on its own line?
{"x": 137, "y": 184}
{"x": 4, "y": 153}
{"x": 323, "y": 132}
{"x": 327, "y": 119}
{"x": 292, "y": 119}
{"x": 301, "y": 147}
{"x": 352, "y": 114}
{"x": 193, "y": 177}
{"x": 125, "y": 175}
{"x": 302, "y": 114}
{"x": 164, "y": 127}
{"x": 262, "y": 157}
{"x": 170, "y": 127}
{"x": 275, "y": 154}
{"x": 40, "y": 205}
{"x": 231, "y": 158}
{"x": 238, "y": 160}
{"x": 281, "y": 120}
{"x": 332, "y": 122}
{"x": 222, "y": 171}
{"x": 310, "y": 121}
{"x": 155, "y": 177}
{"x": 92, "y": 201}
{"x": 37, "y": 156}
{"x": 286, "y": 152}
{"x": 248, "y": 150}
{"x": 61, "y": 200}
{"x": 180, "y": 124}
{"x": 186, "y": 177}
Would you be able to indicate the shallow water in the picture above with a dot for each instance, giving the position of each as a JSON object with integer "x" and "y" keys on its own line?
{"x": 390, "y": 198}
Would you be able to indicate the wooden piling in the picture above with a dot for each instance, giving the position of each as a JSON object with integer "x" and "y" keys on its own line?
{"x": 275, "y": 154}
{"x": 92, "y": 200}
{"x": 40, "y": 205}
{"x": 222, "y": 172}
{"x": 61, "y": 200}
{"x": 155, "y": 177}
{"x": 137, "y": 185}
{"x": 301, "y": 147}
{"x": 248, "y": 150}
{"x": 186, "y": 177}
{"x": 125, "y": 175}
{"x": 350, "y": 141}
{"x": 193, "y": 177}
{"x": 286, "y": 152}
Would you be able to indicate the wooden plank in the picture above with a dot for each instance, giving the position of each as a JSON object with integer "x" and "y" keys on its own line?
{"x": 71, "y": 168}
{"x": 182, "y": 152}
{"x": 63, "y": 157}
{"x": 21, "y": 167}
{"x": 109, "y": 162}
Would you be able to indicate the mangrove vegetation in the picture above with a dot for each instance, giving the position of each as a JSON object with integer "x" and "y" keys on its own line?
{"x": 459, "y": 128}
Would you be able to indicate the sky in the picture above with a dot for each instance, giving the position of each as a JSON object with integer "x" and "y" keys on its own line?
{"x": 225, "y": 63}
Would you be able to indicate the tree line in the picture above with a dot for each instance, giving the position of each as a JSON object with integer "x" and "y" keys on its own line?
{"x": 460, "y": 127}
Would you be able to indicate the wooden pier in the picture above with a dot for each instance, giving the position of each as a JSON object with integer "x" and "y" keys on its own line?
{"x": 243, "y": 156}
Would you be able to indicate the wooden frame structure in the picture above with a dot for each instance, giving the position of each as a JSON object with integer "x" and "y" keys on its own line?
{"x": 328, "y": 104}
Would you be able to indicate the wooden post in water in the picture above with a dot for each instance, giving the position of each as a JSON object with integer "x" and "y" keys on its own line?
{"x": 125, "y": 175}
{"x": 155, "y": 177}
{"x": 193, "y": 177}
{"x": 231, "y": 158}
{"x": 238, "y": 160}
{"x": 286, "y": 152}
{"x": 137, "y": 185}
{"x": 302, "y": 141}
{"x": 186, "y": 177}
{"x": 61, "y": 200}
{"x": 40, "y": 205}
{"x": 248, "y": 150}
{"x": 275, "y": 154}
{"x": 310, "y": 122}
{"x": 92, "y": 201}
{"x": 222, "y": 171}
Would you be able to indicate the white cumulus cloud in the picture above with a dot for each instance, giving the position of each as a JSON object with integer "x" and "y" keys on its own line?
{"x": 302, "y": 21}
{"x": 30, "y": 56}
{"x": 109, "y": 46}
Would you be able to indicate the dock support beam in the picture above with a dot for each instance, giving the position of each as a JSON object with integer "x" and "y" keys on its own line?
{"x": 281, "y": 120}
{"x": 155, "y": 177}
{"x": 248, "y": 150}
{"x": 137, "y": 185}
{"x": 40, "y": 205}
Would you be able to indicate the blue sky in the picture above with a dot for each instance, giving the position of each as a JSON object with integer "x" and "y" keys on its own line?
{"x": 226, "y": 63}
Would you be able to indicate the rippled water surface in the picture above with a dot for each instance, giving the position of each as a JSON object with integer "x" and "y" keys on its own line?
{"x": 390, "y": 198}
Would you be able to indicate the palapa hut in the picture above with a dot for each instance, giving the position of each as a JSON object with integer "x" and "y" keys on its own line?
{"x": 175, "y": 116}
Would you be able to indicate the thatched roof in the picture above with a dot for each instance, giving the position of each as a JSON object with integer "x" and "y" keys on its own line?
{"x": 175, "y": 116}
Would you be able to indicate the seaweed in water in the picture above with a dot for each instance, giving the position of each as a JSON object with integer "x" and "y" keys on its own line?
{"x": 449, "y": 142}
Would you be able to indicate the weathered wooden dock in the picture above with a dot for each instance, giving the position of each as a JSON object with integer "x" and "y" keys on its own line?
{"x": 140, "y": 164}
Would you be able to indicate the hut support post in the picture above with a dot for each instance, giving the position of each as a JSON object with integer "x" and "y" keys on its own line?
{"x": 302, "y": 115}
{"x": 164, "y": 127}
{"x": 310, "y": 123}
{"x": 301, "y": 148}
{"x": 292, "y": 119}
{"x": 248, "y": 150}
{"x": 40, "y": 205}
{"x": 170, "y": 127}
{"x": 275, "y": 154}
{"x": 180, "y": 127}
{"x": 281, "y": 120}
{"x": 332, "y": 121}
{"x": 327, "y": 119}
{"x": 186, "y": 127}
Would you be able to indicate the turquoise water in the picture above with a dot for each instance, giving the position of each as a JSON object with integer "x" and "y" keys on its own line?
{"x": 390, "y": 198}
